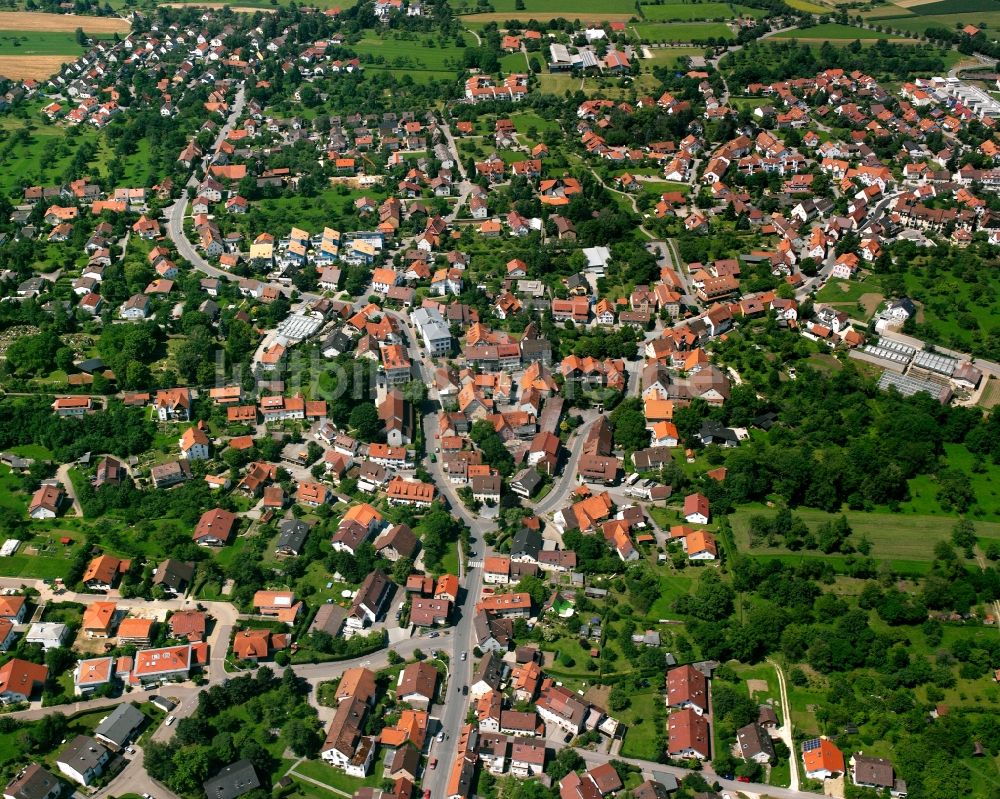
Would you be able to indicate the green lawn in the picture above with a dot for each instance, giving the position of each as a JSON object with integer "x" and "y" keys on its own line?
{"x": 449, "y": 563}
{"x": 335, "y": 778}
{"x": 841, "y": 291}
{"x": 985, "y": 487}
{"x": 513, "y": 62}
{"x": 670, "y": 56}
{"x": 644, "y": 718}
{"x": 36, "y": 451}
{"x": 672, "y": 586}
{"x": 11, "y": 495}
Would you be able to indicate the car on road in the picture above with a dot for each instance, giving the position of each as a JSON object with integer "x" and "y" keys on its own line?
{"x": 130, "y": 750}
{"x": 170, "y": 720}
{"x": 440, "y": 736}
{"x": 434, "y": 763}
{"x": 434, "y": 635}
{"x": 742, "y": 778}
{"x": 465, "y": 655}
{"x": 427, "y": 793}
{"x": 465, "y": 690}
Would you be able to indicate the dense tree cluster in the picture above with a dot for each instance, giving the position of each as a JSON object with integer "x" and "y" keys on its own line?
{"x": 235, "y": 720}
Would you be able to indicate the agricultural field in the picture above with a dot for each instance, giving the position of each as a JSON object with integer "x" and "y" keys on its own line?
{"x": 696, "y": 11}
{"x": 682, "y": 31}
{"x": 534, "y": 8}
{"x": 808, "y": 5}
{"x": 834, "y": 32}
{"x": 917, "y": 17}
{"x": 425, "y": 60}
{"x": 29, "y": 43}
{"x": 36, "y": 45}
{"x": 37, "y": 21}
{"x": 907, "y": 538}
{"x": 239, "y": 6}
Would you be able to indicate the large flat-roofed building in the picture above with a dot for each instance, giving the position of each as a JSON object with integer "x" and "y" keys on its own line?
{"x": 433, "y": 330}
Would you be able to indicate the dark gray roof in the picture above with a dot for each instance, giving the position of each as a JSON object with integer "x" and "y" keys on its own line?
{"x": 34, "y": 782}
{"x": 329, "y": 619}
{"x": 234, "y": 780}
{"x": 83, "y": 753}
{"x": 528, "y": 479}
{"x": 91, "y": 365}
{"x": 293, "y": 535}
{"x": 489, "y": 670}
{"x": 120, "y": 724}
{"x": 526, "y": 543}
{"x": 174, "y": 574}
{"x": 753, "y": 740}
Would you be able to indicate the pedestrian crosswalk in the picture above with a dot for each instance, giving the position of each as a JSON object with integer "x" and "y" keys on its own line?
{"x": 474, "y": 564}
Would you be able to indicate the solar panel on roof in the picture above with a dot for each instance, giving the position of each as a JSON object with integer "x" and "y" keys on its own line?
{"x": 808, "y": 746}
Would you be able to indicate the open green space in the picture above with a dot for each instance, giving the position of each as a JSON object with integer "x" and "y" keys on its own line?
{"x": 695, "y": 11}
{"x": 903, "y": 538}
{"x": 671, "y": 56}
{"x": 567, "y": 7}
{"x": 412, "y": 54}
{"x": 11, "y": 495}
{"x": 985, "y": 481}
{"x": 832, "y": 32}
{"x": 683, "y": 31}
{"x": 38, "y": 43}
{"x": 920, "y": 21}
{"x": 335, "y": 778}
{"x": 808, "y": 5}
{"x": 645, "y": 719}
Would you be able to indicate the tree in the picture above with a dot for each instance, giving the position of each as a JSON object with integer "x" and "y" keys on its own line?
{"x": 301, "y": 737}
{"x": 563, "y": 763}
{"x": 619, "y": 699}
{"x": 963, "y": 536}
{"x": 494, "y": 452}
{"x": 365, "y": 423}
{"x": 630, "y": 425}
{"x": 402, "y": 569}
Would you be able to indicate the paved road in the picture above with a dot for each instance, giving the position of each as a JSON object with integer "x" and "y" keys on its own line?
{"x": 175, "y": 213}
{"x": 746, "y": 788}
{"x": 565, "y": 482}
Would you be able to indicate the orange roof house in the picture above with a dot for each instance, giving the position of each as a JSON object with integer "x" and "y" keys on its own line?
{"x": 822, "y": 758}
{"x": 104, "y": 571}
{"x": 135, "y": 631}
{"x": 98, "y": 619}
{"x": 411, "y": 727}
{"x": 447, "y": 587}
{"x": 278, "y": 604}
